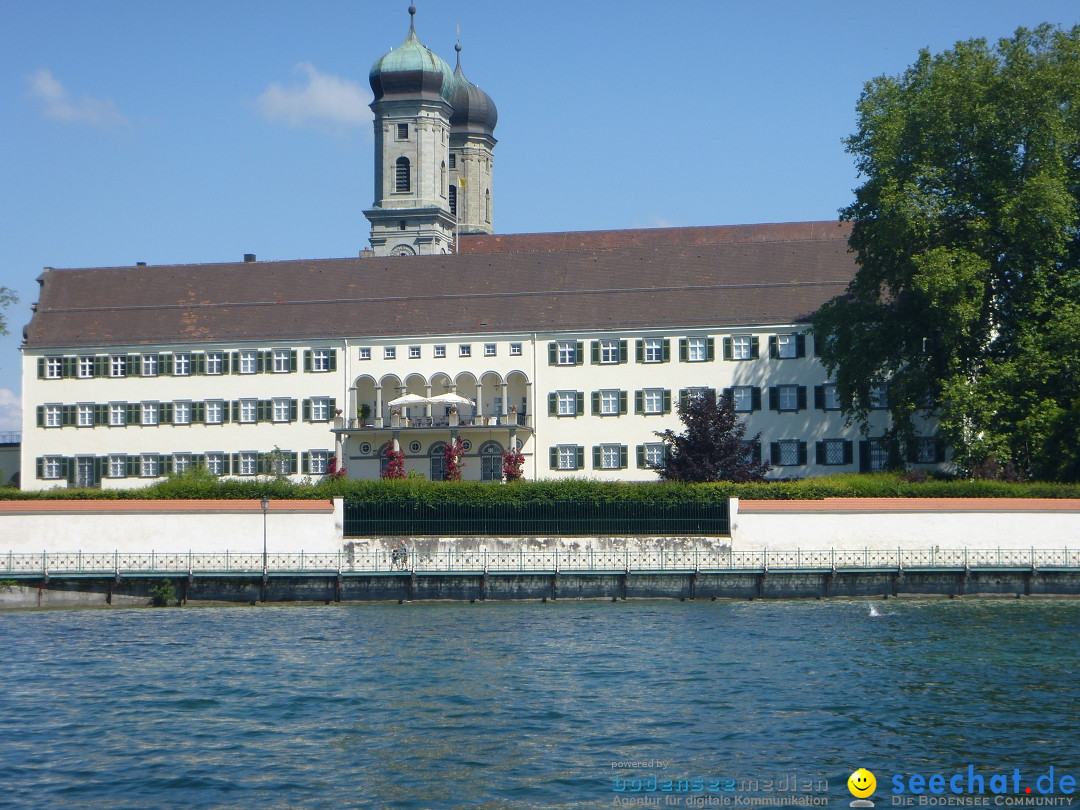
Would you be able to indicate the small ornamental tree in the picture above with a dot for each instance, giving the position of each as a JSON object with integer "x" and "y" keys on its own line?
{"x": 454, "y": 464}
{"x": 512, "y": 462}
{"x": 395, "y": 463}
{"x": 333, "y": 471}
{"x": 713, "y": 447}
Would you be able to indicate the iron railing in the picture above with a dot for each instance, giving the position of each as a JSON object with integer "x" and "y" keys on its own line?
{"x": 450, "y": 561}
{"x": 570, "y": 518}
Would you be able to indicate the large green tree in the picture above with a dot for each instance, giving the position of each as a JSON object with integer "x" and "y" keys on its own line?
{"x": 966, "y": 301}
{"x": 7, "y": 297}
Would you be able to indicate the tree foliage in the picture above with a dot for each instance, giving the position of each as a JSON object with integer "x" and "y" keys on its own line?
{"x": 7, "y": 297}
{"x": 713, "y": 447}
{"x": 966, "y": 302}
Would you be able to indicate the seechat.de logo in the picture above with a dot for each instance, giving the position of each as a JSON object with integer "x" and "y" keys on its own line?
{"x": 861, "y": 784}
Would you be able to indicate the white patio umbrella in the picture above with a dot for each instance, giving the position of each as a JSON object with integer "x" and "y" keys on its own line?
{"x": 449, "y": 398}
{"x": 408, "y": 399}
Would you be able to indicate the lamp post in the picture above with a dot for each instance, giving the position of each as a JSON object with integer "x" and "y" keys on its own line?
{"x": 265, "y": 503}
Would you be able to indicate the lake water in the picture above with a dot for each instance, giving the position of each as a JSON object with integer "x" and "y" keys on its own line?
{"x": 564, "y": 704}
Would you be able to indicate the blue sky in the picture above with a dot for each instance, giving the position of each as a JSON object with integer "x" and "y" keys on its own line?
{"x": 174, "y": 132}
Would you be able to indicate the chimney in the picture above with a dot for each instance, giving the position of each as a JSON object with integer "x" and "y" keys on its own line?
{"x": 249, "y": 257}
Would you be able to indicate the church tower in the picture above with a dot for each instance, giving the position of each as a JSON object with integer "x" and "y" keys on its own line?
{"x": 433, "y": 152}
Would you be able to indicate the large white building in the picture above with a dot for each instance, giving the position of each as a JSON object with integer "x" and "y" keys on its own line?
{"x": 577, "y": 347}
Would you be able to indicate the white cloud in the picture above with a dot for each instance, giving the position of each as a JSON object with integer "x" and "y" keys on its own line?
{"x": 10, "y": 411}
{"x": 321, "y": 98}
{"x": 58, "y": 104}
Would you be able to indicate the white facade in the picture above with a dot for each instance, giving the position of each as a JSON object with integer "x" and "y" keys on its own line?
{"x": 581, "y": 404}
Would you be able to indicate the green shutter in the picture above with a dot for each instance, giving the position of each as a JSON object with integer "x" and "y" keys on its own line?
{"x": 684, "y": 350}
{"x": 236, "y": 410}
{"x": 622, "y": 402}
{"x": 710, "y": 349}
{"x": 333, "y": 359}
{"x": 553, "y": 354}
{"x": 39, "y": 464}
{"x": 667, "y": 400}
{"x": 553, "y": 404}
{"x": 165, "y": 364}
{"x": 774, "y": 347}
{"x": 40, "y": 418}
{"x": 729, "y": 351}
{"x": 198, "y": 413}
{"x": 595, "y": 403}
{"x": 580, "y": 458}
{"x": 331, "y": 406}
{"x": 639, "y": 350}
{"x": 67, "y": 415}
{"x": 579, "y": 353}
{"x": 292, "y": 360}
{"x": 800, "y": 345}
{"x": 553, "y": 458}
{"x": 292, "y": 410}
{"x": 579, "y": 403}
{"x": 597, "y": 457}
{"x": 639, "y": 401}
{"x": 40, "y": 375}
{"x": 305, "y": 462}
{"x": 754, "y": 347}
{"x": 623, "y": 457}
{"x": 641, "y": 456}
{"x": 307, "y": 410}
{"x": 595, "y": 351}
{"x": 622, "y": 351}
{"x": 666, "y": 355}
{"x": 307, "y": 359}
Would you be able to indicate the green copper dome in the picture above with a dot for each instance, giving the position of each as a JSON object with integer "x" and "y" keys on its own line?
{"x": 411, "y": 70}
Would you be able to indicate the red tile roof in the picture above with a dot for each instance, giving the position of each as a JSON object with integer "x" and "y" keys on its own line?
{"x": 841, "y": 505}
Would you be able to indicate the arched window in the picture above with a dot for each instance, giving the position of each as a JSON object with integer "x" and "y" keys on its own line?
{"x": 442, "y": 178}
{"x": 487, "y": 205}
{"x": 404, "y": 175}
{"x": 491, "y": 462}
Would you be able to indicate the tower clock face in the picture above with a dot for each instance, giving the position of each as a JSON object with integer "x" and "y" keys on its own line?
{"x": 402, "y": 250}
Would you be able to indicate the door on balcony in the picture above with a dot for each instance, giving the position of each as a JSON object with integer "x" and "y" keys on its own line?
{"x": 491, "y": 462}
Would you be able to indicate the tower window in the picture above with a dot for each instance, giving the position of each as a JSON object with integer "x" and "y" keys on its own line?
{"x": 487, "y": 205}
{"x": 453, "y": 160}
{"x": 403, "y": 132}
{"x": 404, "y": 175}
{"x": 453, "y": 200}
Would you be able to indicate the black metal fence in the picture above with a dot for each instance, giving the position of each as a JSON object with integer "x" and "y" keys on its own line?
{"x": 547, "y": 518}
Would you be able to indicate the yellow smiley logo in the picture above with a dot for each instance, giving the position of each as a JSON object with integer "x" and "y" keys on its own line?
{"x": 861, "y": 783}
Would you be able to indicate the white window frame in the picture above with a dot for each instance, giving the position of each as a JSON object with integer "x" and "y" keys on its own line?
{"x": 365, "y": 352}
{"x": 249, "y": 361}
{"x": 182, "y": 365}
{"x": 182, "y": 462}
{"x": 652, "y": 350}
{"x": 567, "y": 353}
{"x": 389, "y": 352}
{"x": 787, "y": 346}
{"x": 652, "y": 401}
{"x": 182, "y": 413}
{"x": 697, "y": 350}
{"x": 610, "y": 456}
{"x": 282, "y": 409}
{"x": 54, "y": 368}
{"x": 879, "y": 397}
{"x": 215, "y": 362}
{"x": 654, "y": 454}
{"x": 149, "y": 365}
{"x": 249, "y": 411}
{"x": 464, "y": 350}
{"x": 86, "y": 367}
{"x": 489, "y": 350}
{"x": 148, "y": 414}
{"x": 118, "y": 366}
{"x": 54, "y": 415}
{"x": 117, "y": 414}
{"x": 439, "y": 351}
{"x": 249, "y": 463}
{"x": 567, "y": 403}
{"x": 609, "y": 352}
{"x": 567, "y": 456}
{"x": 742, "y": 397}
{"x": 320, "y": 360}
{"x": 117, "y": 465}
{"x": 831, "y": 395}
{"x": 215, "y": 411}
{"x": 414, "y": 352}
{"x": 742, "y": 347}
{"x": 149, "y": 466}
{"x": 515, "y": 350}
{"x": 52, "y": 467}
{"x": 787, "y": 398}
{"x": 282, "y": 361}
{"x": 318, "y": 461}
{"x": 215, "y": 463}
{"x": 84, "y": 415}
{"x": 320, "y": 409}
{"x": 609, "y": 402}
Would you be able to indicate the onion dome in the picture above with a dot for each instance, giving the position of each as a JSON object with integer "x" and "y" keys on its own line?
{"x": 411, "y": 71}
{"x": 474, "y": 111}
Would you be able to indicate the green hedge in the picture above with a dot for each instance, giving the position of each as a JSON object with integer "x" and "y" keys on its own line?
{"x": 200, "y": 485}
